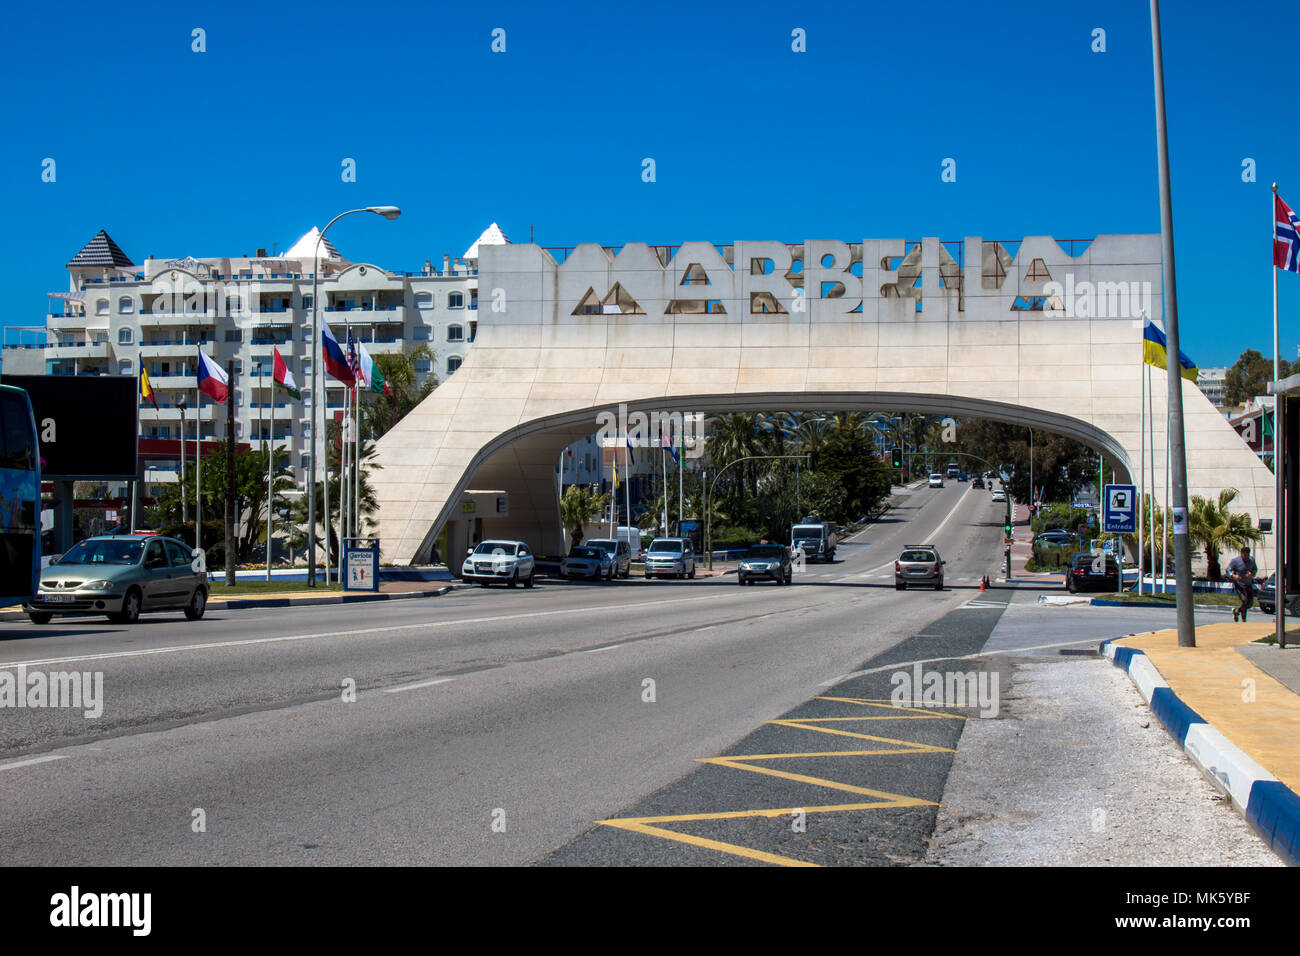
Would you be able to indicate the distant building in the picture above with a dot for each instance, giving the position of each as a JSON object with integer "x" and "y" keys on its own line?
{"x": 1211, "y": 382}
{"x": 118, "y": 317}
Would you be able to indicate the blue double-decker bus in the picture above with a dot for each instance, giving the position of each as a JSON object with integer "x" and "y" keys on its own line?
{"x": 20, "y": 498}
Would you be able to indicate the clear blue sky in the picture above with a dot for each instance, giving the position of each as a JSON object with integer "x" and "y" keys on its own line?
{"x": 179, "y": 153}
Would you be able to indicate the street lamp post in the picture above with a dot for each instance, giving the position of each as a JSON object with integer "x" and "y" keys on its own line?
{"x": 388, "y": 212}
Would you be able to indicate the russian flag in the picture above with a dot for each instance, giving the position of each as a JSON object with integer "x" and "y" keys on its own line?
{"x": 336, "y": 363}
{"x": 212, "y": 381}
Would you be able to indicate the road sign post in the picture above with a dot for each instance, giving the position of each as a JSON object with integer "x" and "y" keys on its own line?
{"x": 1119, "y": 517}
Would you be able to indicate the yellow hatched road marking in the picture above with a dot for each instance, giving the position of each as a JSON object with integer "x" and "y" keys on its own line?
{"x": 905, "y": 746}
{"x": 887, "y": 705}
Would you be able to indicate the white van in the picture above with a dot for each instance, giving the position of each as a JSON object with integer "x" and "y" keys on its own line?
{"x": 633, "y": 538}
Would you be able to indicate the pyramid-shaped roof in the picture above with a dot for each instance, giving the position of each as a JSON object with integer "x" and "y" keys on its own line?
{"x": 305, "y": 247}
{"x": 492, "y": 236}
{"x": 101, "y": 251}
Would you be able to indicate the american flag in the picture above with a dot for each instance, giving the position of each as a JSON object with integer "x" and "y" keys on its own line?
{"x": 1286, "y": 237}
{"x": 354, "y": 361}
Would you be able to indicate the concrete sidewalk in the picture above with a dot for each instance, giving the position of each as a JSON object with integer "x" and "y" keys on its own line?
{"x": 1234, "y": 705}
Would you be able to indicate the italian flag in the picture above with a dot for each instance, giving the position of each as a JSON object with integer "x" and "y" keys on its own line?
{"x": 371, "y": 376}
{"x": 282, "y": 376}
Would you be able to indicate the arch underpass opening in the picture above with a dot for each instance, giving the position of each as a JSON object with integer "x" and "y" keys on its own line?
{"x": 522, "y": 462}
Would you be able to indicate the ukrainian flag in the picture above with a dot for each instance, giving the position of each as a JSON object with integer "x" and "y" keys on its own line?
{"x": 1155, "y": 351}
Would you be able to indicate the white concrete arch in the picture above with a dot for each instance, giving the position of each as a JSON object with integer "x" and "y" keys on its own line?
{"x": 1043, "y": 338}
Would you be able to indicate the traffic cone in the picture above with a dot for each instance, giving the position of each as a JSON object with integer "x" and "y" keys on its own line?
{"x": 984, "y": 584}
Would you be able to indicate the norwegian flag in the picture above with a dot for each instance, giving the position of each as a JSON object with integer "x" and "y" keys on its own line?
{"x": 1286, "y": 236}
{"x": 354, "y": 362}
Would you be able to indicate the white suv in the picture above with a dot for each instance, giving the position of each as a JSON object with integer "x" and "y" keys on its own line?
{"x": 936, "y": 480}
{"x": 670, "y": 557}
{"x": 504, "y": 562}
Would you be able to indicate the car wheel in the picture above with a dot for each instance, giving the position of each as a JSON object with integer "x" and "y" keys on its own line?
{"x": 514, "y": 579}
{"x": 528, "y": 581}
{"x": 1293, "y": 608}
{"x": 1069, "y": 586}
{"x": 692, "y": 574}
{"x": 938, "y": 585}
{"x": 40, "y": 617}
{"x": 130, "y": 612}
{"x": 741, "y": 581}
{"x": 198, "y": 604}
{"x": 483, "y": 584}
{"x": 899, "y": 587}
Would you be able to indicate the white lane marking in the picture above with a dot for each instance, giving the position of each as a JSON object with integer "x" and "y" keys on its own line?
{"x": 426, "y": 683}
{"x": 963, "y": 657}
{"x": 217, "y": 645}
{"x": 597, "y": 650}
{"x": 28, "y": 763}
{"x": 709, "y": 628}
{"x": 934, "y": 534}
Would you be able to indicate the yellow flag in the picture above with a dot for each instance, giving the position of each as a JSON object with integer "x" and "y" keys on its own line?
{"x": 616, "y": 474}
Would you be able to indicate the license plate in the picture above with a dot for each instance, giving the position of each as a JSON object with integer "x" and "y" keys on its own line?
{"x": 59, "y": 599}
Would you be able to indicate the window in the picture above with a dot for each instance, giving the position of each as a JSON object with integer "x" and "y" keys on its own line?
{"x": 124, "y": 367}
{"x": 455, "y": 333}
{"x": 154, "y": 556}
{"x": 453, "y": 363}
{"x": 473, "y": 330}
{"x": 307, "y": 302}
{"x": 234, "y": 335}
{"x": 101, "y": 307}
{"x": 423, "y": 365}
{"x": 179, "y": 555}
{"x": 424, "y": 300}
{"x": 421, "y": 333}
{"x": 239, "y": 367}
{"x": 239, "y": 398}
{"x": 456, "y": 300}
{"x": 126, "y": 305}
{"x": 125, "y": 336}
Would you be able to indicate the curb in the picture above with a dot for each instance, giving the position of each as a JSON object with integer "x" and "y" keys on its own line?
{"x": 1269, "y": 806}
{"x": 1200, "y": 608}
{"x": 244, "y": 604}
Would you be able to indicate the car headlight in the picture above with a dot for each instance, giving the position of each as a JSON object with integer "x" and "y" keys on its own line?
{"x": 98, "y": 586}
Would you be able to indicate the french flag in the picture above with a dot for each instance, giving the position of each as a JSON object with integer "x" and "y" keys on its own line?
{"x": 212, "y": 381}
{"x": 336, "y": 363}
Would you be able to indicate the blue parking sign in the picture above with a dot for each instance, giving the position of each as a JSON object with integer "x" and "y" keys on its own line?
{"x": 1119, "y": 509}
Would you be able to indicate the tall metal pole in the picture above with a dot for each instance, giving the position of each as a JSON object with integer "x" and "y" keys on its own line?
{"x": 1151, "y": 512}
{"x": 1177, "y": 451}
{"x": 270, "y": 457}
{"x": 1143, "y": 380}
{"x": 185, "y": 502}
{"x": 198, "y": 470}
{"x": 230, "y": 475}
{"x": 1279, "y": 466}
{"x": 315, "y": 403}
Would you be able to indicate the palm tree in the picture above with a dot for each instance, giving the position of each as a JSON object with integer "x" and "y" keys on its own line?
{"x": 379, "y": 413}
{"x": 579, "y": 504}
{"x": 1214, "y": 527}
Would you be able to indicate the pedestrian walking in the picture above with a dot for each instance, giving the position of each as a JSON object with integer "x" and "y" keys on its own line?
{"x": 1242, "y": 571}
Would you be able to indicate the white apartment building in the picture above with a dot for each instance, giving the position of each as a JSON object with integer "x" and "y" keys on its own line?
{"x": 118, "y": 317}
{"x": 1211, "y": 382}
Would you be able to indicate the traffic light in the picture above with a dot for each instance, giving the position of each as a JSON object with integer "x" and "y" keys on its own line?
{"x": 1007, "y": 528}
{"x": 898, "y": 457}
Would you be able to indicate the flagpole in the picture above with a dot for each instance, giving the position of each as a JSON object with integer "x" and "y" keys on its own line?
{"x": 356, "y": 468}
{"x": 1279, "y": 500}
{"x": 270, "y": 456}
{"x": 185, "y": 502}
{"x": 681, "y": 481}
{"x": 325, "y": 465}
{"x": 198, "y": 470}
{"x": 1164, "y": 528}
{"x": 1151, "y": 512}
{"x": 663, "y": 461}
{"x": 1143, "y": 379}
{"x": 627, "y": 487}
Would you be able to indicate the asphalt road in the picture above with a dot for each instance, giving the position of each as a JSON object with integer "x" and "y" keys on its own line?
{"x": 487, "y": 726}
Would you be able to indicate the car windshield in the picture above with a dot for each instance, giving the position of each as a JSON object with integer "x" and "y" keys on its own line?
{"x": 608, "y": 546}
{"x": 495, "y": 547}
{"x": 100, "y": 551}
{"x": 586, "y": 553}
{"x": 917, "y": 556}
{"x": 661, "y": 545}
{"x": 764, "y": 551}
{"x": 808, "y": 531}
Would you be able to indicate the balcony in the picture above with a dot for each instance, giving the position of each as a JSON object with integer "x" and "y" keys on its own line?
{"x": 207, "y": 413}
{"x": 168, "y": 348}
{"x": 79, "y": 349}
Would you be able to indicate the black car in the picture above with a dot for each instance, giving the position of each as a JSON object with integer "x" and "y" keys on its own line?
{"x": 1057, "y": 538}
{"x": 1092, "y": 572}
{"x": 1266, "y": 594}
{"x": 977, "y": 482}
{"x": 766, "y": 562}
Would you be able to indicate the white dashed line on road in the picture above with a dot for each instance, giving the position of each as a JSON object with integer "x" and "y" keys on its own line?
{"x": 426, "y": 683}
{"x": 28, "y": 763}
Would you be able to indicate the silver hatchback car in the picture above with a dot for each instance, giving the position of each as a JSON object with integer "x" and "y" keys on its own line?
{"x": 121, "y": 576}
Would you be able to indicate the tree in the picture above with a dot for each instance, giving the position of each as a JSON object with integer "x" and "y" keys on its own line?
{"x": 250, "y": 498}
{"x": 1249, "y": 376}
{"x": 369, "y": 501}
{"x": 1212, "y": 525}
{"x": 1062, "y": 465}
{"x": 578, "y": 506}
